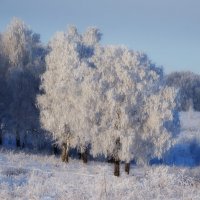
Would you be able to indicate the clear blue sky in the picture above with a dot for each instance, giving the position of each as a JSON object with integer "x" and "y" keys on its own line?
{"x": 167, "y": 30}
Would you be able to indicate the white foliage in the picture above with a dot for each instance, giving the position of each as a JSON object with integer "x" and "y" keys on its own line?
{"x": 127, "y": 78}
{"x": 66, "y": 85}
{"x": 157, "y": 110}
{"x": 17, "y": 40}
{"x": 21, "y": 66}
{"x": 105, "y": 96}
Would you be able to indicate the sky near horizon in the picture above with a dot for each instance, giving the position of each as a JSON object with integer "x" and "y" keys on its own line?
{"x": 167, "y": 30}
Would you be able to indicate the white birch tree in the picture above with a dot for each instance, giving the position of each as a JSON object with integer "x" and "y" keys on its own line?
{"x": 65, "y": 83}
{"x": 124, "y": 82}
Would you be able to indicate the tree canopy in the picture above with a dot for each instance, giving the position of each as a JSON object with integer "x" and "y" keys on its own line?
{"x": 109, "y": 97}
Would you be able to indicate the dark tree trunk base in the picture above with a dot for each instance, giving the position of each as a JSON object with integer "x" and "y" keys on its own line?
{"x": 55, "y": 150}
{"x": 111, "y": 160}
{"x": 65, "y": 157}
{"x": 65, "y": 153}
{"x": 17, "y": 142}
{"x": 117, "y": 168}
{"x": 127, "y": 168}
{"x": 85, "y": 157}
{"x": 79, "y": 156}
{"x": 1, "y": 139}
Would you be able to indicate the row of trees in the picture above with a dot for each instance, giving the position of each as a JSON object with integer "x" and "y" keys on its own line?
{"x": 104, "y": 100}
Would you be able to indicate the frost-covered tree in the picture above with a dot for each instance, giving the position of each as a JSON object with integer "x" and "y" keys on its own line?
{"x": 24, "y": 86}
{"x": 2, "y": 57}
{"x": 1, "y": 88}
{"x": 124, "y": 79}
{"x": 188, "y": 84}
{"x": 17, "y": 40}
{"x": 4, "y": 101}
{"x": 97, "y": 95}
{"x": 65, "y": 85}
{"x": 157, "y": 117}
{"x": 24, "y": 64}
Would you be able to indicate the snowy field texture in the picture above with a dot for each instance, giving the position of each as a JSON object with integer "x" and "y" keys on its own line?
{"x": 190, "y": 121}
{"x": 24, "y": 176}
{"x": 186, "y": 151}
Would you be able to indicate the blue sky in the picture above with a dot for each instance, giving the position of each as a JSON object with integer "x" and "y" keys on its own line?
{"x": 167, "y": 30}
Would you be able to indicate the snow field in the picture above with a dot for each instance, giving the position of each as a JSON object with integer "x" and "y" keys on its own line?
{"x": 25, "y": 176}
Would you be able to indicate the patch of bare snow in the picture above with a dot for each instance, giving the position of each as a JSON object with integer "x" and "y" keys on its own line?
{"x": 24, "y": 176}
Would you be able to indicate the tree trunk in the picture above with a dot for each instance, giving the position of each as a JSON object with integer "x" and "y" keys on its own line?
{"x": 0, "y": 138}
{"x": 55, "y": 149}
{"x": 127, "y": 167}
{"x": 79, "y": 155}
{"x": 117, "y": 168}
{"x": 17, "y": 139}
{"x": 65, "y": 153}
{"x": 85, "y": 156}
{"x": 1, "y": 141}
{"x": 23, "y": 145}
{"x": 110, "y": 160}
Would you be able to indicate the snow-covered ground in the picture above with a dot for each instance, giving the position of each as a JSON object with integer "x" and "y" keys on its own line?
{"x": 190, "y": 120}
{"x": 34, "y": 177}
{"x": 186, "y": 151}
{"x": 30, "y": 177}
